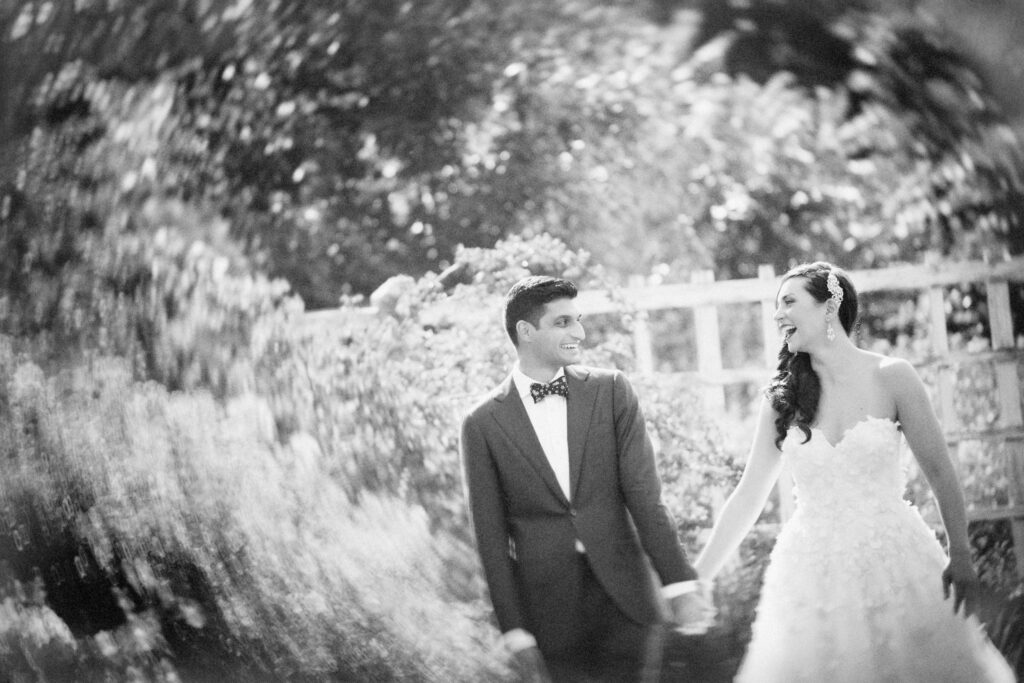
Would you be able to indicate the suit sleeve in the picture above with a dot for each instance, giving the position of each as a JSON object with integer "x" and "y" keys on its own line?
{"x": 641, "y": 487}
{"x": 488, "y": 517}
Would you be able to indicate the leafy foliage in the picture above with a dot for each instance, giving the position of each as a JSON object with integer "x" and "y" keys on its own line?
{"x": 738, "y": 588}
{"x": 1005, "y": 626}
{"x": 347, "y": 144}
{"x": 696, "y": 471}
{"x": 118, "y": 268}
{"x": 218, "y": 547}
{"x": 696, "y": 164}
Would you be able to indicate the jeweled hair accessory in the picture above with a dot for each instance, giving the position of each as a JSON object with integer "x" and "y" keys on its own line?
{"x": 834, "y": 288}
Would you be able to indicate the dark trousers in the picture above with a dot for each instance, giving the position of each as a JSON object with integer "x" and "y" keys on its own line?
{"x": 605, "y": 644}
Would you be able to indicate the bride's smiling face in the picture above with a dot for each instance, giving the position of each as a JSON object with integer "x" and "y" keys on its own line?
{"x": 800, "y": 317}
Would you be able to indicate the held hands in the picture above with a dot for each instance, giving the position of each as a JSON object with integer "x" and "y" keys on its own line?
{"x": 528, "y": 665}
{"x": 693, "y": 612}
{"x": 959, "y": 575}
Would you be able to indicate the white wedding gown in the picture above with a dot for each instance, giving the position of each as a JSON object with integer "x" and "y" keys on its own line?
{"x": 853, "y": 591}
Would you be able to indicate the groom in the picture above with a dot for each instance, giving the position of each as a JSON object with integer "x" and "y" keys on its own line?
{"x": 566, "y": 505}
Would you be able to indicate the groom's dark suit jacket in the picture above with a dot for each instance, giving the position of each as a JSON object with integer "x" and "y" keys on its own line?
{"x": 526, "y": 529}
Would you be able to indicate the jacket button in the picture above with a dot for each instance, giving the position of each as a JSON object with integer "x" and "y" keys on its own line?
{"x": 572, "y": 511}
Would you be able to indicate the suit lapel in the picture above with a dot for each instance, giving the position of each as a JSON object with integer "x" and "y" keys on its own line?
{"x": 582, "y": 397}
{"x": 510, "y": 414}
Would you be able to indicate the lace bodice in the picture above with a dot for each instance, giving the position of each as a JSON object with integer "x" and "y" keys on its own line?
{"x": 862, "y": 470}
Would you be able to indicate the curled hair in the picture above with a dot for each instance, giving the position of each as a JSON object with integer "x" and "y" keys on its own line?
{"x": 527, "y": 298}
{"x": 795, "y": 389}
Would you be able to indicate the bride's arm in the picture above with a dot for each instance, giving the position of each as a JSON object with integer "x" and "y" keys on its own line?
{"x": 744, "y": 506}
{"x": 924, "y": 436}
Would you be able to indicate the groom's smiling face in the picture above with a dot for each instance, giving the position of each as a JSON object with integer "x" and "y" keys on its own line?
{"x": 555, "y": 340}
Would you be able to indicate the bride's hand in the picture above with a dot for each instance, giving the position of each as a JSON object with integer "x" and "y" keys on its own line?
{"x": 959, "y": 575}
{"x": 693, "y": 613}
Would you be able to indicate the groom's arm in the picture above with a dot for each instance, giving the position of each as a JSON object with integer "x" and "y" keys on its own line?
{"x": 641, "y": 487}
{"x": 487, "y": 513}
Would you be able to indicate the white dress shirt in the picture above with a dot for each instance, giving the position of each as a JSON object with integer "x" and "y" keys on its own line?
{"x": 551, "y": 423}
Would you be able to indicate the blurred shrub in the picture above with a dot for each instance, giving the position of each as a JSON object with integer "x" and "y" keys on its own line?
{"x": 992, "y": 547}
{"x": 738, "y": 585}
{"x": 697, "y": 474}
{"x": 97, "y": 258}
{"x": 1006, "y": 628}
{"x": 221, "y": 548}
{"x": 33, "y": 638}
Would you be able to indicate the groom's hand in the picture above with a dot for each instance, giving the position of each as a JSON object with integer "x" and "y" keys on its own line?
{"x": 693, "y": 612}
{"x": 528, "y": 665}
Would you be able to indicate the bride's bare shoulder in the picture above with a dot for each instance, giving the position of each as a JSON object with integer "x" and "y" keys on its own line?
{"x": 892, "y": 380}
{"x": 891, "y": 373}
{"x": 896, "y": 375}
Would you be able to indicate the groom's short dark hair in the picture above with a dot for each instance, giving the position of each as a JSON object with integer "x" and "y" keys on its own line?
{"x": 527, "y": 298}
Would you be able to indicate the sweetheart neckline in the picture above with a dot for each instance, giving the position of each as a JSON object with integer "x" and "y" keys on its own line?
{"x": 846, "y": 432}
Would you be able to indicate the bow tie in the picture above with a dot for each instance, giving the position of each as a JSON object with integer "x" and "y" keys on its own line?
{"x": 557, "y": 386}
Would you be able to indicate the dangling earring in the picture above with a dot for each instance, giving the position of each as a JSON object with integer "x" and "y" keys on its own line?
{"x": 830, "y": 332}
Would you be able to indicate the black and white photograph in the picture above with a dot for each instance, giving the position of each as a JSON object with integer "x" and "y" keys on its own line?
{"x": 511, "y": 341}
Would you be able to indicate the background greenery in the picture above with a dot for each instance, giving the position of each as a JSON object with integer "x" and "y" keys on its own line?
{"x": 198, "y": 481}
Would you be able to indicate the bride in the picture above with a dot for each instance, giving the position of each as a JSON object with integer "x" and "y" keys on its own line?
{"x": 858, "y": 587}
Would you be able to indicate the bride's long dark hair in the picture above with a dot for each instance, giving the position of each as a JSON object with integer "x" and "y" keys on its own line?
{"x": 795, "y": 389}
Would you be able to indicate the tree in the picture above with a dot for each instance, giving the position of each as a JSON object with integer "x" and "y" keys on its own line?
{"x": 769, "y": 132}
{"x": 332, "y": 136}
{"x": 339, "y": 134}
{"x": 346, "y": 143}
{"x": 96, "y": 257}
